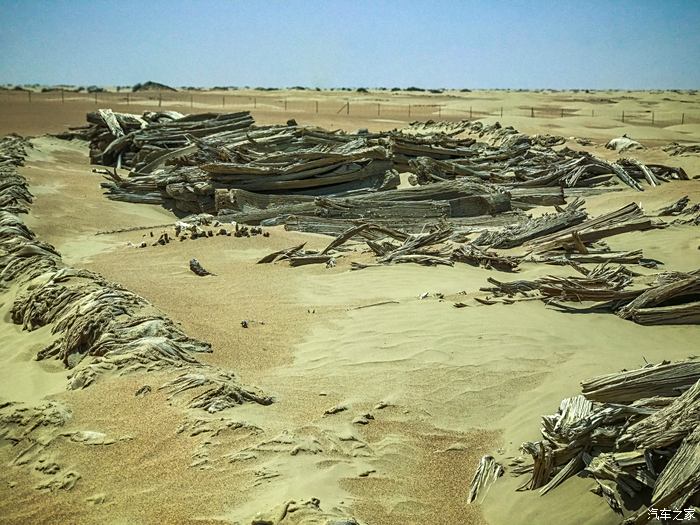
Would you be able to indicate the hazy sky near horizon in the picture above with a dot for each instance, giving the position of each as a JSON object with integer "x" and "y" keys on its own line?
{"x": 563, "y": 44}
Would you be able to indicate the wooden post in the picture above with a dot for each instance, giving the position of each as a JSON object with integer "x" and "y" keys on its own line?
{"x": 255, "y": 102}
{"x": 409, "y": 110}
{"x": 623, "y": 116}
{"x": 29, "y": 96}
{"x": 682, "y": 118}
{"x": 347, "y": 108}
{"x": 63, "y": 98}
{"x": 592, "y": 113}
{"x": 127, "y": 99}
{"x": 285, "y": 104}
{"x": 191, "y": 101}
{"x": 501, "y": 111}
{"x": 562, "y": 112}
{"x": 317, "y": 106}
{"x": 223, "y": 101}
{"x": 470, "y": 112}
{"x": 439, "y": 111}
{"x": 532, "y": 112}
{"x": 652, "y": 118}
{"x": 160, "y": 99}
{"x": 378, "y": 109}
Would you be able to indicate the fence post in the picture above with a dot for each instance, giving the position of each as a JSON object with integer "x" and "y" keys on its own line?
{"x": 29, "y": 96}
{"x": 347, "y": 108}
{"x": 160, "y": 99}
{"x": 378, "y": 108}
{"x": 63, "y": 99}
{"x": 592, "y": 113}
{"x": 562, "y": 112}
{"x": 623, "y": 116}
{"x": 439, "y": 111}
{"x": 409, "y": 110}
{"x": 191, "y": 100}
{"x": 255, "y": 102}
{"x": 285, "y": 104}
{"x": 652, "y": 118}
{"x": 317, "y": 106}
{"x": 470, "y": 112}
{"x": 501, "y": 111}
{"x": 127, "y": 99}
{"x": 532, "y": 112}
{"x": 682, "y": 118}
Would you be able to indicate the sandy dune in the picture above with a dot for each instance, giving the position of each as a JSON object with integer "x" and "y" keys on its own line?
{"x": 443, "y": 386}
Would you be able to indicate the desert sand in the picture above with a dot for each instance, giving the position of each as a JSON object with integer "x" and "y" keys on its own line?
{"x": 444, "y": 385}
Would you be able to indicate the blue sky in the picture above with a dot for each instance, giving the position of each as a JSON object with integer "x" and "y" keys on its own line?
{"x": 452, "y": 44}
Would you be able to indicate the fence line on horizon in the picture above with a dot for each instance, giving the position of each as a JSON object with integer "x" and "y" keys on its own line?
{"x": 344, "y": 106}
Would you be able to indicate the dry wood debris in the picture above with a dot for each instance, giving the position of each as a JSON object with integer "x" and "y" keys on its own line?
{"x": 99, "y": 326}
{"x": 190, "y": 162}
{"x": 636, "y": 433}
{"x": 197, "y": 268}
{"x": 670, "y": 298}
{"x": 681, "y": 149}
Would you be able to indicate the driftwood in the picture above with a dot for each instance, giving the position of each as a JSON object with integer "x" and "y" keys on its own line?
{"x": 14, "y": 193}
{"x": 652, "y": 306}
{"x": 512, "y": 236}
{"x": 665, "y": 379}
{"x": 470, "y": 254}
{"x": 669, "y": 425}
{"x": 675, "y": 208}
{"x": 198, "y": 269}
{"x": 309, "y": 259}
{"x": 597, "y": 257}
{"x": 671, "y": 299}
{"x": 182, "y": 161}
{"x": 626, "y": 219}
{"x": 681, "y": 149}
{"x": 474, "y": 201}
{"x": 98, "y": 327}
{"x": 282, "y": 254}
{"x": 335, "y": 227}
{"x": 518, "y": 161}
{"x": 637, "y": 435}
{"x": 487, "y": 473}
{"x": 275, "y": 159}
{"x": 297, "y": 256}
{"x": 121, "y": 139}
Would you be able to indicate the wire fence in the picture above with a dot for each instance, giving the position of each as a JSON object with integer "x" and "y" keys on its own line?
{"x": 338, "y": 105}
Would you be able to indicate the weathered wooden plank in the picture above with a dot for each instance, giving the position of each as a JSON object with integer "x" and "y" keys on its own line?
{"x": 667, "y": 379}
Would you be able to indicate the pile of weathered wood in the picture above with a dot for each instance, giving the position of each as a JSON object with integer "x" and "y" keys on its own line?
{"x": 412, "y": 210}
{"x": 134, "y": 141}
{"x": 436, "y": 246}
{"x": 635, "y": 433}
{"x": 682, "y": 149}
{"x": 667, "y": 298}
{"x": 683, "y": 210}
{"x": 292, "y": 159}
{"x": 514, "y": 160}
{"x": 14, "y": 194}
{"x": 569, "y": 229}
{"x": 276, "y": 159}
{"x": 97, "y": 326}
{"x": 520, "y": 165}
{"x": 183, "y": 162}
